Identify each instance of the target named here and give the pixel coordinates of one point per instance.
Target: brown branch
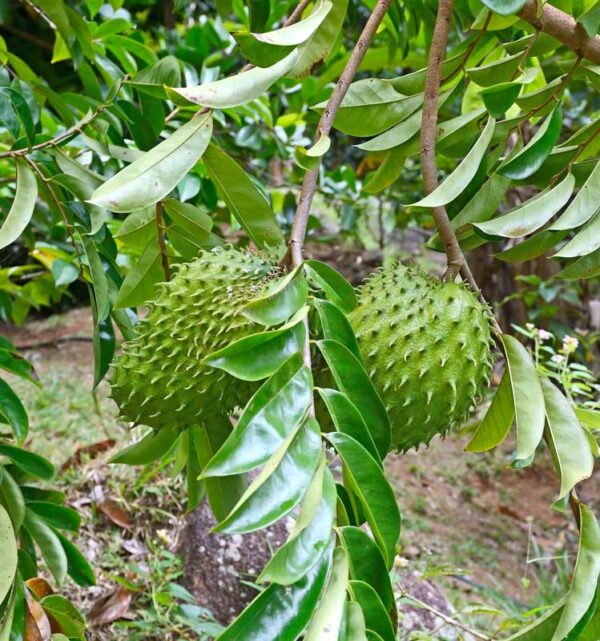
(563, 27)
(309, 185)
(160, 230)
(297, 13)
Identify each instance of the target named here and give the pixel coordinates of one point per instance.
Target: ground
(486, 534)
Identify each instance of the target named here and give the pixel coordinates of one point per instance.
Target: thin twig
(297, 13)
(160, 230)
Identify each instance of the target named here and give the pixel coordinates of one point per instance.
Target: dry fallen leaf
(110, 607)
(115, 513)
(90, 450)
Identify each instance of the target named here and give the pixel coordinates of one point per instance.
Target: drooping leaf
(12, 499)
(583, 206)
(495, 73)
(335, 287)
(376, 497)
(281, 484)
(148, 449)
(8, 545)
(29, 462)
(139, 286)
(584, 267)
(461, 177)
(153, 176)
(193, 220)
(58, 516)
(355, 623)
(22, 206)
(533, 247)
(13, 411)
(584, 242)
(49, 545)
(78, 568)
(567, 440)
(336, 326)
(271, 415)
(376, 617)
(387, 173)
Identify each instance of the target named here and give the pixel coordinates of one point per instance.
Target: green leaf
(21, 209)
(376, 497)
(396, 135)
(49, 545)
(269, 418)
(98, 278)
(567, 440)
(352, 379)
(138, 229)
(150, 448)
(193, 220)
(238, 89)
(543, 627)
(355, 623)
(499, 98)
(260, 355)
(59, 516)
(244, 201)
(335, 325)
(590, 417)
(310, 537)
(376, 617)
(11, 362)
(152, 79)
(533, 155)
(78, 567)
(585, 267)
(12, 499)
(533, 247)
(495, 73)
(280, 485)
(153, 176)
(13, 411)
(504, 7)
(583, 206)
(528, 399)
(31, 463)
(584, 242)
(310, 158)
(66, 614)
(139, 286)
(347, 419)
(497, 421)
(367, 564)
(585, 577)
(264, 49)
(280, 300)
(104, 348)
(327, 619)
(462, 176)
(335, 287)
(281, 612)
(590, 19)
(533, 214)
(8, 545)
(387, 173)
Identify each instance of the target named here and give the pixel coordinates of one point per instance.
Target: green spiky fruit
(427, 347)
(159, 379)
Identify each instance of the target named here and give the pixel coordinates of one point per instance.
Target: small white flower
(543, 335)
(570, 344)
(530, 327)
(558, 358)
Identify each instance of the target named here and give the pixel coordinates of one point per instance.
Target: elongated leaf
(8, 545)
(374, 492)
(154, 175)
(535, 246)
(310, 537)
(461, 177)
(543, 627)
(13, 411)
(335, 325)
(352, 379)
(533, 214)
(584, 205)
(281, 484)
(78, 567)
(12, 498)
(139, 286)
(148, 449)
(67, 616)
(497, 421)
(151, 80)
(29, 462)
(567, 440)
(260, 355)
(355, 623)
(59, 516)
(244, 201)
(238, 89)
(376, 617)
(499, 71)
(281, 612)
(327, 619)
(348, 419)
(271, 415)
(533, 155)
(396, 135)
(335, 287)
(387, 173)
(528, 399)
(584, 242)
(22, 206)
(99, 280)
(585, 577)
(193, 220)
(584, 267)
(280, 300)
(49, 545)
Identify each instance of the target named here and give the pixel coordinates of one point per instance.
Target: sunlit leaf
(22, 206)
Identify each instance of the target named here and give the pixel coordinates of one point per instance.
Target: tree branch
(297, 13)
(563, 27)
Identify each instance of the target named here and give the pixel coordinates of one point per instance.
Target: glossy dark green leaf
(104, 348)
(8, 545)
(281, 612)
(376, 617)
(590, 19)
(246, 204)
(348, 419)
(531, 215)
(367, 564)
(196, 488)
(504, 7)
(66, 614)
(12, 499)
(585, 577)
(260, 355)
(11, 362)
(150, 448)
(281, 484)
(310, 537)
(271, 415)
(532, 247)
(372, 489)
(584, 267)
(139, 286)
(499, 98)
(497, 421)
(528, 399)
(49, 545)
(23, 112)
(281, 299)
(352, 379)
(336, 326)
(21, 209)
(586, 241)
(78, 567)
(58, 516)
(12, 410)
(533, 155)
(335, 287)
(583, 206)
(31, 463)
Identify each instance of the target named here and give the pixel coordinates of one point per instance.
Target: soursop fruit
(159, 378)
(427, 347)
